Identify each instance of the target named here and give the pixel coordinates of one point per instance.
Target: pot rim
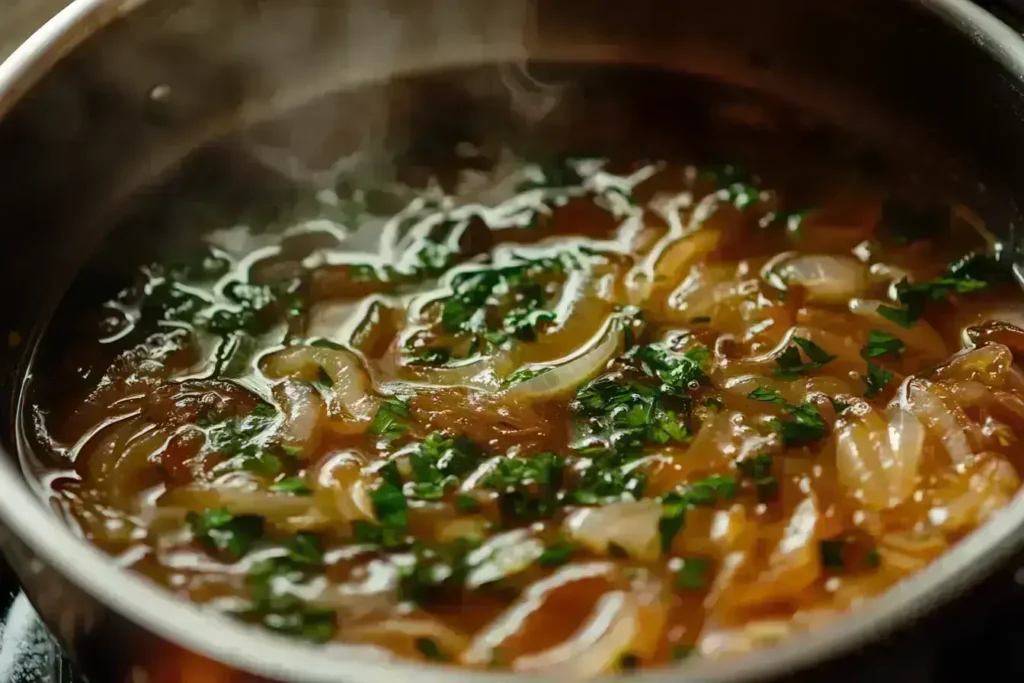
(254, 651)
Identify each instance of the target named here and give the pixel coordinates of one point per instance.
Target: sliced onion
(794, 563)
(581, 311)
(303, 416)
(272, 506)
(632, 526)
(567, 377)
(342, 491)
(483, 373)
(916, 397)
(846, 350)
(350, 385)
(719, 643)
(826, 278)
(989, 365)
(990, 487)
(596, 645)
(672, 262)
(878, 461)
(372, 590)
(503, 555)
(402, 635)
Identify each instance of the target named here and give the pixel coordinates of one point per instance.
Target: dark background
(981, 636)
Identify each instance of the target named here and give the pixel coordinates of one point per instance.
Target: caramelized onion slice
(632, 526)
(567, 377)
(350, 384)
(825, 278)
(878, 459)
(595, 645)
(917, 397)
(303, 416)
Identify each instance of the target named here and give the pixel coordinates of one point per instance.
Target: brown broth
(623, 413)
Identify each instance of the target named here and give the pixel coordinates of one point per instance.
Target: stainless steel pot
(107, 99)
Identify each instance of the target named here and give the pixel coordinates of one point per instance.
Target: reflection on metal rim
(225, 640)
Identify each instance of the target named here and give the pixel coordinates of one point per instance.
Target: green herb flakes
(791, 365)
(882, 343)
(390, 420)
(875, 380)
(801, 425)
(767, 396)
(219, 530)
(431, 650)
(693, 574)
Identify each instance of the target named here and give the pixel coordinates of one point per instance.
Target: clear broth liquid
(569, 407)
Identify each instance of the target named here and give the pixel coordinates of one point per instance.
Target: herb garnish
(693, 574)
(880, 343)
(791, 364)
(832, 554)
(528, 486)
(438, 463)
(390, 420)
(802, 424)
(557, 554)
(430, 649)
(283, 611)
(679, 371)
(221, 531)
(766, 395)
(295, 485)
(875, 380)
(706, 492)
(758, 469)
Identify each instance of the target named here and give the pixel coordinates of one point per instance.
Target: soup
(567, 416)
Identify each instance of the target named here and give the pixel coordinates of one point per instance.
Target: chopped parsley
(556, 554)
(295, 485)
(832, 555)
(390, 420)
(704, 493)
(802, 424)
(221, 531)
(876, 379)
(241, 436)
(466, 503)
(431, 355)
(389, 506)
(758, 470)
(431, 650)
(881, 343)
(513, 289)
(438, 463)
(693, 574)
(528, 486)
(679, 371)
(767, 396)
(682, 651)
(915, 296)
(281, 610)
(435, 569)
(791, 365)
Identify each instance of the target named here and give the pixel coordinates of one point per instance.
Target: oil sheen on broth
(567, 417)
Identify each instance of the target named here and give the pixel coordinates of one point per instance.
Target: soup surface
(568, 417)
